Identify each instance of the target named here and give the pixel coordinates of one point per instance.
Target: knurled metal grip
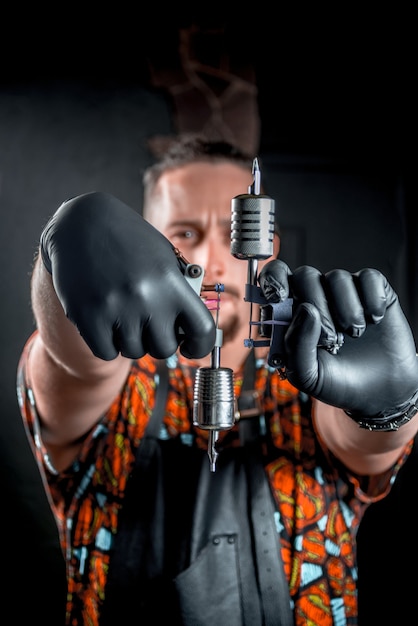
(252, 226)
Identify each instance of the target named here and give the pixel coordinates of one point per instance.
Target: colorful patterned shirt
(319, 504)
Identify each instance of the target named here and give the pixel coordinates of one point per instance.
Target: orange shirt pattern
(319, 506)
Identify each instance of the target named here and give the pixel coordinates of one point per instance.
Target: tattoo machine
(252, 234)
(214, 407)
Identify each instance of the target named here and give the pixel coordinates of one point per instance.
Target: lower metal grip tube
(214, 404)
(213, 407)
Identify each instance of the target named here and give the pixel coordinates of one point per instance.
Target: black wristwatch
(385, 423)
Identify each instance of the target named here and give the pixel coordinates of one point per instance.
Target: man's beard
(230, 328)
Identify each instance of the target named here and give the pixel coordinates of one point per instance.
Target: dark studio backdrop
(328, 108)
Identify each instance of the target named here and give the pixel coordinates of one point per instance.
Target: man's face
(192, 208)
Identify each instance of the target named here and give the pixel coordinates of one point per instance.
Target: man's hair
(189, 148)
(193, 148)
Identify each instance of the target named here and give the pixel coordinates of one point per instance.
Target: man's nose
(215, 258)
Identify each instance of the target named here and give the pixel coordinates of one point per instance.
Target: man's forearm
(362, 451)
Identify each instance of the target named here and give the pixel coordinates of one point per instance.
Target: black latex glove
(120, 282)
(375, 372)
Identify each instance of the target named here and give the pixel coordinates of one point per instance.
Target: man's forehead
(204, 174)
(197, 190)
(200, 219)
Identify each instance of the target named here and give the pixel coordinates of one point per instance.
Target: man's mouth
(211, 299)
(211, 296)
(214, 295)
(211, 303)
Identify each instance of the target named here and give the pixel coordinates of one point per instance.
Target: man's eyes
(193, 236)
(186, 234)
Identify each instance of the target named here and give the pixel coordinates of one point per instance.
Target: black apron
(196, 547)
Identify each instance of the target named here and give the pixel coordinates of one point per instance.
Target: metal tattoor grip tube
(214, 404)
(252, 226)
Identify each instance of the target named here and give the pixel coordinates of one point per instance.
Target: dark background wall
(326, 101)
(326, 104)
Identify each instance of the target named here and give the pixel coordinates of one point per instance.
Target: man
(148, 531)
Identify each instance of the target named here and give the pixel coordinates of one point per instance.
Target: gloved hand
(375, 372)
(119, 281)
